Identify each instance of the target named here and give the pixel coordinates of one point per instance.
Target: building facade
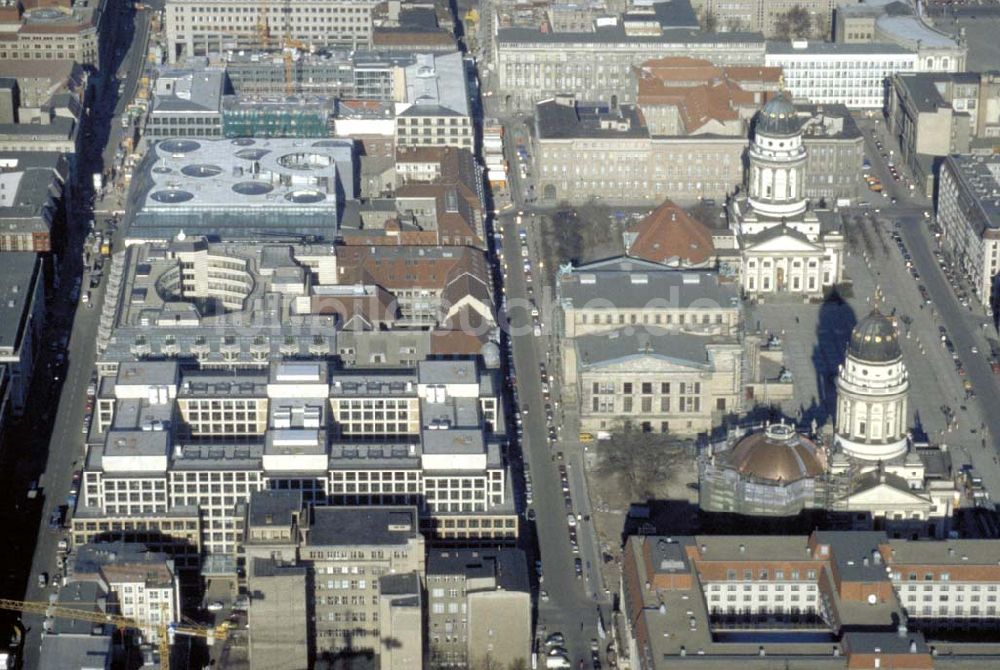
(875, 595)
(169, 441)
(478, 608)
(533, 66)
(969, 217)
(835, 73)
(195, 29)
(23, 308)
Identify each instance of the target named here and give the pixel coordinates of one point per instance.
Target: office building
(363, 567)
(241, 189)
(73, 643)
(969, 215)
(435, 110)
(142, 584)
(533, 66)
(174, 445)
(196, 29)
(588, 150)
(934, 115)
(22, 306)
(38, 82)
(278, 617)
(853, 75)
(478, 607)
(242, 305)
(843, 599)
(765, 15)
(785, 246)
(896, 23)
(75, 31)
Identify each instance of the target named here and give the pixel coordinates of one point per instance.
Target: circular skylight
(305, 161)
(328, 143)
(179, 146)
(244, 142)
(201, 170)
(172, 196)
(252, 188)
(305, 196)
(252, 154)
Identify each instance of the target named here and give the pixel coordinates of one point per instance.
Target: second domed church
(785, 246)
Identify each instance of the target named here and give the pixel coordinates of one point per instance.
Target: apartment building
(844, 599)
(34, 199)
(478, 607)
(533, 66)
(198, 29)
(144, 584)
(22, 313)
(435, 109)
(969, 215)
(362, 568)
(853, 75)
(936, 114)
(177, 445)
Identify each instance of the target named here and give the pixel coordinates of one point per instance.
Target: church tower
(872, 388)
(778, 162)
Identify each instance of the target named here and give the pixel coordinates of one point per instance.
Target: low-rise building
(933, 115)
(969, 215)
(75, 643)
(853, 75)
(478, 607)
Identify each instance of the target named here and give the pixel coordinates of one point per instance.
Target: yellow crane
(165, 631)
(288, 45)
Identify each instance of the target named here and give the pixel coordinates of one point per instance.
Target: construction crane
(263, 29)
(165, 631)
(288, 46)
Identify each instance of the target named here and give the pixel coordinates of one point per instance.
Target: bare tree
(640, 460)
(710, 21)
(793, 24)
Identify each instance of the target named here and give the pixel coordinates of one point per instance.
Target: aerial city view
(500, 335)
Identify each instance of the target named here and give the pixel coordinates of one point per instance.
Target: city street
(32, 452)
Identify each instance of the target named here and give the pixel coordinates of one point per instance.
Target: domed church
(785, 246)
(868, 470)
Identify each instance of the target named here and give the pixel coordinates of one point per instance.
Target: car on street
(216, 606)
(555, 639)
(578, 567)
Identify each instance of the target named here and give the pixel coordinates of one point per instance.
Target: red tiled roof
(670, 235)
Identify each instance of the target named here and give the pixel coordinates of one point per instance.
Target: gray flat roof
(616, 35)
(438, 81)
(844, 48)
(598, 350)
(628, 283)
(341, 526)
(558, 120)
(912, 29)
(190, 91)
(458, 441)
(946, 552)
(274, 508)
(447, 372)
(17, 291)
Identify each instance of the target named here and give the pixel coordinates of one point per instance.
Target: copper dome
(777, 454)
(778, 118)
